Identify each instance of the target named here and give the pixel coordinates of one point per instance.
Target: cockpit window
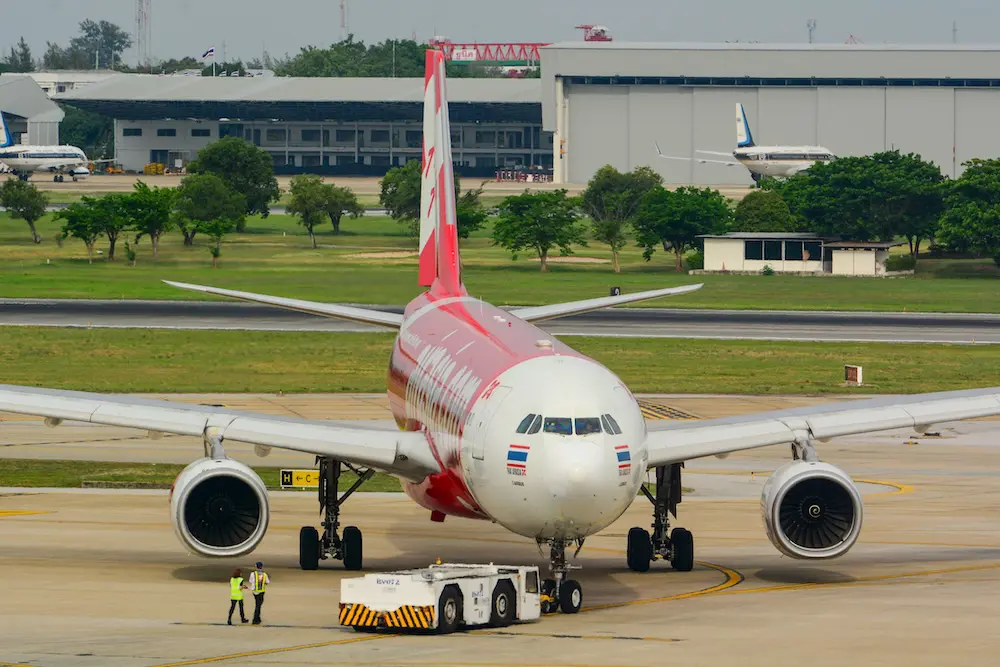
(610, 425)
(587, 425)
(535, 425)
(525, 423)
(560, 425)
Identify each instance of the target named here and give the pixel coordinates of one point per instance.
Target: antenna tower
(811, 27)
(343, 19)
(143, 31)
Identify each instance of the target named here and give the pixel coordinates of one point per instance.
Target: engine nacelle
(219, 508)
(811, 510)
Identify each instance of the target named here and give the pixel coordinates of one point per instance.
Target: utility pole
(811, 27)
(954, 32)
(343, 20)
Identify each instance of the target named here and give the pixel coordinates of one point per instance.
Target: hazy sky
(188, 27)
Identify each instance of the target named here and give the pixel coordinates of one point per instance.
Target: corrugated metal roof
(862, 245)
(156, 88)
(21, 96)
(749, 46)
(762, 235)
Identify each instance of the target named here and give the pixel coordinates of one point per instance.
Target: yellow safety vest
(235, 590)
(260, 582)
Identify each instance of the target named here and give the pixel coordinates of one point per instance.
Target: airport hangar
(608, 102)
(32, 118)
(334, 126)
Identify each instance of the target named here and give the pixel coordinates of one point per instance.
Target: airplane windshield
(525, 423)
(588, 425)
(560, 425)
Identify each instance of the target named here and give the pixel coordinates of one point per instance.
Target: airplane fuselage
(471, 374)
(781, 161)
(49, 159)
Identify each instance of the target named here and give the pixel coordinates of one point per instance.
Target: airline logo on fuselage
(438, 382)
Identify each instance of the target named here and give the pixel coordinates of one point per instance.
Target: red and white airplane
(495, 420)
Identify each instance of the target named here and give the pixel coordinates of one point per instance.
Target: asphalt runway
(96, 578)
(617, 322)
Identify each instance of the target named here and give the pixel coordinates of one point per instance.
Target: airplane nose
(582, 480)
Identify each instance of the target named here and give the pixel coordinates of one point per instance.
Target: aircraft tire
(639, 550)
(570, 597)
(683, 543)
(308, 548)
(353, 548)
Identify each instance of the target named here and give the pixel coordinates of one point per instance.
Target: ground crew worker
(258, 584)
(236, 588)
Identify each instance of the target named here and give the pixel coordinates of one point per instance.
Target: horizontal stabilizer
(354, 314)
(541, 313)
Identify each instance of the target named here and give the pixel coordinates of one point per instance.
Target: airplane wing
(541, 313)
(678, 441)
(714, 153)
(352, 313)
(379, 445)
(728, 163)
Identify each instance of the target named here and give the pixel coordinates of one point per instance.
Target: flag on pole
(210, 52)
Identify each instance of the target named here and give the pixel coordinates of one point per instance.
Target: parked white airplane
(776, 161)
(495, 420)
(59, 161)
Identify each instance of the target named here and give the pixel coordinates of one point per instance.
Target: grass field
(276, 258)
(73, 474)
(128, 360)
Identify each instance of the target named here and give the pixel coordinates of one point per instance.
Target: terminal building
(608, 102)
(320, 125)
(597, 103)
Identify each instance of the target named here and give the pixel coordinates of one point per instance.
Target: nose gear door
(482, 422)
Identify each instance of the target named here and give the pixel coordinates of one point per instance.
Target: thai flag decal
(624, 460)
(517, 460)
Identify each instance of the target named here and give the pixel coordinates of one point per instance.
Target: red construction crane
(526, 52)
(595, 33)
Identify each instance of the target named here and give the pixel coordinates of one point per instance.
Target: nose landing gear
(560, 593)
(678, 548)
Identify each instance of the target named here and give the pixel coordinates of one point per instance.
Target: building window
(346, 136)
(131, 131)
(380, 136)
(380, 161)
(753, 250)
(310, 160)
(793, 250)
(310, 136)
(772, 250)
(484, 138)
(275, 136)
(345, 159)
(280, 159)
(414, 138)
(201, 132)
(813, 250)
(166, 132)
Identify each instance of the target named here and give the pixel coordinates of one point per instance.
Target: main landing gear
(347, 547)
(560, 593)
(678, 548)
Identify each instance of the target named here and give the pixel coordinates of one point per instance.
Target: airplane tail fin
(5, 138)
(744, 138)
(440, 265)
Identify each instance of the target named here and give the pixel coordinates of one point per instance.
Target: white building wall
(724, 255)
(854, 263)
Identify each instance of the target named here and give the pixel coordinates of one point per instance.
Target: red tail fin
(440, 265)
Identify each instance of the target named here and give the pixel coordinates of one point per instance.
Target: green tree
(148, 210)
(102, 41)
(612, 199)
(57, 57)
(309, 202)
(341, 201)
(971, 221)
(20, 59)
(80, 220)
(675, 219)
(763, 211)
(470, 214)
(245, 168)
(204, 203)
(111, 217)
(90, 131)
(540, 221)
(400, 196)
(24, 202)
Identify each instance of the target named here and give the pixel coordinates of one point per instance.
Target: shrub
(900, 263)
(768, 270)
(695, 260)
(996, 259)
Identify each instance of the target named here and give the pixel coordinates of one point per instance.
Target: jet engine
(811, 510)
(219, 508)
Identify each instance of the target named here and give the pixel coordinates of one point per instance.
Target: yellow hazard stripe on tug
(407, 616)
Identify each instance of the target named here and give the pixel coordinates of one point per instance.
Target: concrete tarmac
(956, 328)
(97, 578)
